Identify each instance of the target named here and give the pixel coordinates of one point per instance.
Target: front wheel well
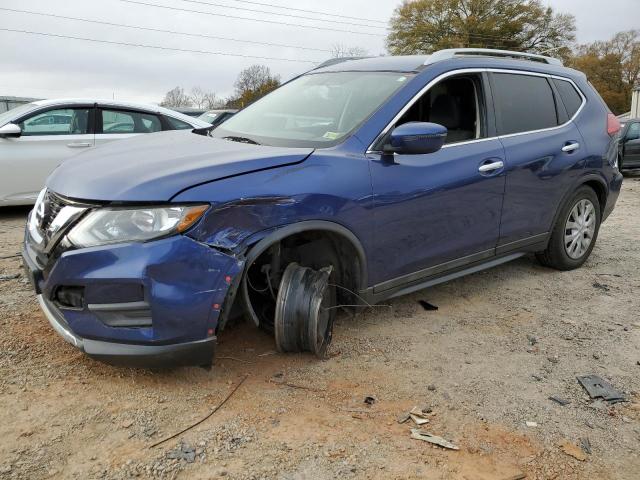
(314, 248)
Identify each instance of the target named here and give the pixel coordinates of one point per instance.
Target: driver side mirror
(416, 138)
(10, 130)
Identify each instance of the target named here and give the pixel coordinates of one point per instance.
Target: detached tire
(575, 232)
(305, 310)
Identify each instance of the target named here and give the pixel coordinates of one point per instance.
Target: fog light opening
(69, 297)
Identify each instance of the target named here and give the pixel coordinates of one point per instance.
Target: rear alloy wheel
(580, 229)
(575, 232)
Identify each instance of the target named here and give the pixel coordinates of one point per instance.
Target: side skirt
(455, 269)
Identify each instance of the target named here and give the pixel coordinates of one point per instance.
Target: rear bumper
(198, 352)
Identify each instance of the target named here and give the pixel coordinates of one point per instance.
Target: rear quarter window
(570, 97)
(523, 103)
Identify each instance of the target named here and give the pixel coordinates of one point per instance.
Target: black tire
(556, 256)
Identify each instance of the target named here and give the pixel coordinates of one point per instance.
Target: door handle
(490, 167)
(79, 144)
(571, 147)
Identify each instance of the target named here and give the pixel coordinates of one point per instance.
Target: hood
(155, 167)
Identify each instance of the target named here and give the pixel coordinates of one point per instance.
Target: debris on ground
(13, 276)
(184, 452)
(560, 401)
(419, 415)
(597, 387)
(403, 418)
(531, 424)
(532, 340)
(429, 307)
(436, 440)
(369, 400)
(573, 450)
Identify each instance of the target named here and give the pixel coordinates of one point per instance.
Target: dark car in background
(216, 117)
(629, 146)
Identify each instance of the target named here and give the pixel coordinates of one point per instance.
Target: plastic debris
(560, 401)
(419, 416)
(428, 437)
(597, 387)
(429, 307)
(531, 424)
(403, 417)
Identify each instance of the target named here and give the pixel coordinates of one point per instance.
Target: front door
(631, 146)
(439, 211)
(48, 138)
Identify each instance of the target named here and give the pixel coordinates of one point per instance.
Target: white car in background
(35, 138)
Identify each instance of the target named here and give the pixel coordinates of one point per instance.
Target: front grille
(54, 204)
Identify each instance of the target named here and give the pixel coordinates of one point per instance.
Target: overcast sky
(41, 66)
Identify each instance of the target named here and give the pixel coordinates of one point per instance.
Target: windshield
(14, 113)
(316, 110)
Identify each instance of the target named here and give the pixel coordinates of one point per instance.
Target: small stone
(532, 340)
(553, 359)
(596, 356)
(431, 388)
(531, 424)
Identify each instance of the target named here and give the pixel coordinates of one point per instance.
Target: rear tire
(574, 233)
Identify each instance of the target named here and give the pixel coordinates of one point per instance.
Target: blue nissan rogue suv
(358, 181)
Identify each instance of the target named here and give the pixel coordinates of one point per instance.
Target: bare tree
(176, 98)
(339, 50)
(211, 101)
(198, 97)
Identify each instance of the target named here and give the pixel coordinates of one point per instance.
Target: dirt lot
(485, 363)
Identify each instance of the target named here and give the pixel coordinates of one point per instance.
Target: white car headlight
(114, 225)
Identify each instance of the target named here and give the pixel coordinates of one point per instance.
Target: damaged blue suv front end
(126, 285)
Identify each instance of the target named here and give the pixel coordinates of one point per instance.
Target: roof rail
(335, 61)
(488, 52)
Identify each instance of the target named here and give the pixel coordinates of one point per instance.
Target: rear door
(544, 153)
(48, 138)
(117, 124)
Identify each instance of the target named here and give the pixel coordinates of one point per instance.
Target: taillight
(613, 124)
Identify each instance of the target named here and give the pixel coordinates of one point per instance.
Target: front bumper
(198, 352)
(182, 284)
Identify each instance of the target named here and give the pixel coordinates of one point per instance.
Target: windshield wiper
(241, 140)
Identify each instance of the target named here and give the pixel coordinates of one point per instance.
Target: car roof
(464, 57)
(122, 104)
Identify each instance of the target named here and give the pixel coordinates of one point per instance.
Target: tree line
(425, 26)
(252, 83)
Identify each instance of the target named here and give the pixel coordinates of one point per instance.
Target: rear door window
(63, 121)
(128, 121)
(524, 103)
(570, 97)
(176, 124)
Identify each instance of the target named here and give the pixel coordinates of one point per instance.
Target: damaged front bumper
(137, 304)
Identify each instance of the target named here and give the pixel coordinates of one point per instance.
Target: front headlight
(114, 225)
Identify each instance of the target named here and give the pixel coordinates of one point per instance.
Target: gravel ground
(485, 363)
